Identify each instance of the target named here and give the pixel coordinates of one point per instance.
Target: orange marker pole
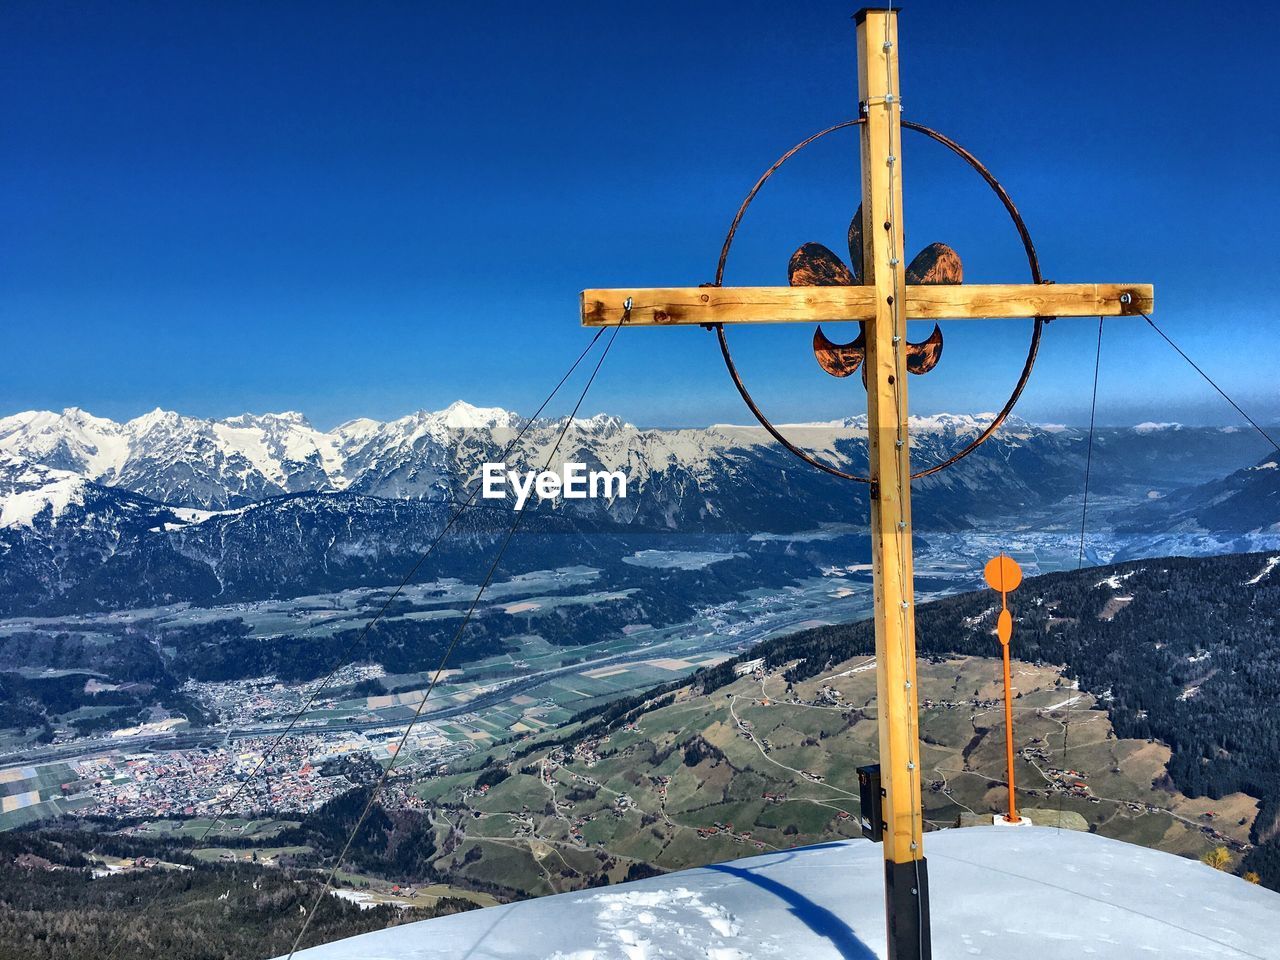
(1008, 735)
(1002, 573)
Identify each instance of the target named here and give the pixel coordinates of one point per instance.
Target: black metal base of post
(906, 900)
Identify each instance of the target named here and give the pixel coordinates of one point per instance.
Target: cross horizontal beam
(674, 306)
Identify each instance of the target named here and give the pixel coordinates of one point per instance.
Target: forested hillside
(52, 907)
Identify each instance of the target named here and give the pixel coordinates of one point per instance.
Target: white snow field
(1037, 894)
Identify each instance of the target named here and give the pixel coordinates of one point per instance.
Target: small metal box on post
(870, 797)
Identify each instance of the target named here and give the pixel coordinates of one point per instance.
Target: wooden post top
(861, 15)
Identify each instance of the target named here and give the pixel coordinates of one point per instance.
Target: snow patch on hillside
(21, 509)
(29, 489)
(1116, 579)
(1264, 572)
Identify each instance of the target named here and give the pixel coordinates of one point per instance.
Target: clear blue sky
(361, 209)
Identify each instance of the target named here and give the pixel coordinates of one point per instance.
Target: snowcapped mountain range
(225, 464)
(216, 464)
(96, 513)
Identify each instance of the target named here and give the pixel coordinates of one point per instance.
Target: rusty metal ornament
(938, 262)
(813, 265)
(841, 359)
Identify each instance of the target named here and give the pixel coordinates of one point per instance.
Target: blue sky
(365, 209)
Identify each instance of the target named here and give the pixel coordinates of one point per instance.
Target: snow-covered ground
(1040, 893)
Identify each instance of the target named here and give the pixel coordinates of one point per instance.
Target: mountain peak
(155, 418)
(289, 418)
(461, 415)
(360, 425)
(602, 422)
(82, 418)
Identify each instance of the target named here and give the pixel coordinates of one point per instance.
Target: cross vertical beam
(906, 889)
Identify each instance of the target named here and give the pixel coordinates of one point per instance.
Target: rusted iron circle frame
(1033, 261)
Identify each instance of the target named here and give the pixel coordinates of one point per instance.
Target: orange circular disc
(1003, 573)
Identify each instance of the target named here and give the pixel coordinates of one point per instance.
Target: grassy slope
(571, 815)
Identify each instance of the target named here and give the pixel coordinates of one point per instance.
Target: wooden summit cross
(884, 302)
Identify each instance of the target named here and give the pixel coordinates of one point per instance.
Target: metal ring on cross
(1033, 262)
